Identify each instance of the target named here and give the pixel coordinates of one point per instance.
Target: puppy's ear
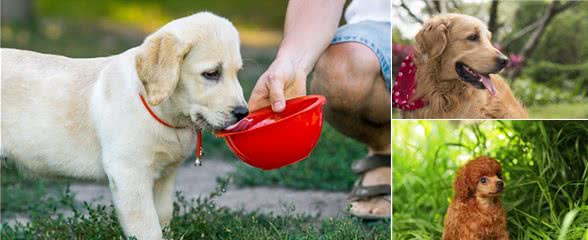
(158, 65)
(462, 186)
(431, 40)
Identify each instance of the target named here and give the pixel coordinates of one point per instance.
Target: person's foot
(370, 197)
(376, 206)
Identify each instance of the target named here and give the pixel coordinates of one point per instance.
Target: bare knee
(345, 74)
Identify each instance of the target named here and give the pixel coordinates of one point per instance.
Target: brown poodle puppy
(457, 69)
(475, 213)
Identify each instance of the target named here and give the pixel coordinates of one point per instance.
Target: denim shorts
(374, 35)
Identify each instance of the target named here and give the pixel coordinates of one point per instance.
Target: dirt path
(199, 181)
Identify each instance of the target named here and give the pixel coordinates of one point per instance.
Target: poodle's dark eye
(483, 180)
(474, 37)
(499, 175)
(212, 75)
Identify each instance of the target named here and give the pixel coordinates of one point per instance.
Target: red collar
(199, 150)
(405, 87)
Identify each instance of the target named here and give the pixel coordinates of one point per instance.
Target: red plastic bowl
(273, 140)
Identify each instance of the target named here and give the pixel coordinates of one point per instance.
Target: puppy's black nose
(501, 62)
(240, 112)
(500, 186)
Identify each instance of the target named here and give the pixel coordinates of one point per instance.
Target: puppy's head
(481, 178)
(191, 64)
(462, 46)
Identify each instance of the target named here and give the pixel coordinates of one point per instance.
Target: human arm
(308, 30)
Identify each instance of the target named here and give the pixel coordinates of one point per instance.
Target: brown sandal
(360, 192)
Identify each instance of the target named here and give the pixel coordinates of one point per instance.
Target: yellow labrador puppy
(83, 118)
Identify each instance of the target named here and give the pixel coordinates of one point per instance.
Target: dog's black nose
(500, 186)
(240, 112)
(501, 62)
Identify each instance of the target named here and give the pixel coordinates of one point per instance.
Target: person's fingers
(259, 96)
(276, 94)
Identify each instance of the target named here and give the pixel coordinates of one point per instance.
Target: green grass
(549, 111)
(20, 194)
(562, 110)
(192, 219)
(545, 165)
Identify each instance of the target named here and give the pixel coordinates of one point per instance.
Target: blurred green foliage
(557, 111)
(559, 60)
(572, 78)
(150, 14)
(532, 93)
(564, 39)
(545, 165)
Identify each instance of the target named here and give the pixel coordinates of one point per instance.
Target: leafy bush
(20, 194)
(532, 93)
(568, 77)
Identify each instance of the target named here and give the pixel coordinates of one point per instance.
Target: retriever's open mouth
(476, 79)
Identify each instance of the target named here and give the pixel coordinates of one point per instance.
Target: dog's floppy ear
(431, 40)
(158, 65)
(462, 186)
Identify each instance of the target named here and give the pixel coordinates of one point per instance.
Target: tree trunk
(437, 6)
(493, 21)
(554, 8)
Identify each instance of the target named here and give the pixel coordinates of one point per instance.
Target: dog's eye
(483, 180)
(213, 75)
(474, 37)
(499, 175)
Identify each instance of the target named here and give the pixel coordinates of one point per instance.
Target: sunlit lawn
(560, 111)
(550, 111)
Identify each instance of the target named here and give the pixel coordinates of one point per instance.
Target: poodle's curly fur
(475, 213)
(439, 45)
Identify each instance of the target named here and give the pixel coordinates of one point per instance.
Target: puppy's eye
(212, 75)
(483, 180)
(474, 37)
(499, 175)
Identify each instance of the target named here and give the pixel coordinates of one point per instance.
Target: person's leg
(358, 105)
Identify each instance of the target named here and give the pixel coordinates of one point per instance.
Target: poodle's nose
(501, 61)
(240, 112)
(500, 185)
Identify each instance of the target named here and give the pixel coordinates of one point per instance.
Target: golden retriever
(84, 118)
(457, 70)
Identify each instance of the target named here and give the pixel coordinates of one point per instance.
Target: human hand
(283, 79)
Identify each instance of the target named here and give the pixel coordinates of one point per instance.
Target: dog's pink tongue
(488, 84)
(240, 125)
